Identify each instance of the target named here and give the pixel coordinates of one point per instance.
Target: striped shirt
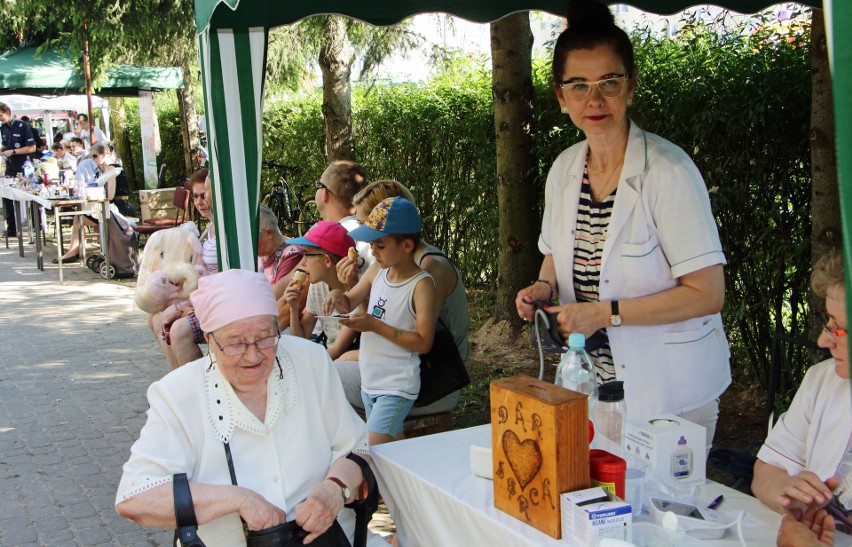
(589, 239)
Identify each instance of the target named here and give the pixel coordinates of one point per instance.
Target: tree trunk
(189, 119)
(121, 139)
(335, 60)
(512, 89)
(826, 228)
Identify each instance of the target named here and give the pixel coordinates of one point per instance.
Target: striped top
(589, 239)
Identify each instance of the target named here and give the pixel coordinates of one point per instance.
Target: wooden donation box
(540, 437)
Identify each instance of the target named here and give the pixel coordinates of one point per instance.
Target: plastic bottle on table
(609, 416)
(576, 371)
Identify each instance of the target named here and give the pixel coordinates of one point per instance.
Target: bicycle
(282, 200)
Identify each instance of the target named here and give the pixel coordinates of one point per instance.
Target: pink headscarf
(229, 296)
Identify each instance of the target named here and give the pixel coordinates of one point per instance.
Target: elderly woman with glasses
(806, 461)
(629, 241)
(274, 405)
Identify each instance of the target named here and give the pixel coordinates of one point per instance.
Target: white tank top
(386, 368)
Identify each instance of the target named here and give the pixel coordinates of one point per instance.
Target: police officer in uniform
(18, 144)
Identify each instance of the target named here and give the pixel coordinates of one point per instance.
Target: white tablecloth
(435, 499)
(18, 195)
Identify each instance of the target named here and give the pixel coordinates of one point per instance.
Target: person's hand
(258, 512)
(317, 513)
(524, 301)
(582, 317)
(361, 322)
(292, 295)
(808, 489)
(7, 153)
(171, 314)
(335, 301)
(811, 527)
(347, 272)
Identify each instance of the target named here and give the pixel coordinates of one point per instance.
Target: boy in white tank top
(400, 321)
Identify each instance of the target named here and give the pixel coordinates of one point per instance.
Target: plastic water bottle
(28, 169)
(576, 371)
(609, 416)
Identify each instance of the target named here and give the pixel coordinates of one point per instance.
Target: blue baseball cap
(392, 216)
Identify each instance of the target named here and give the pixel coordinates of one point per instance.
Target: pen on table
(716, 502)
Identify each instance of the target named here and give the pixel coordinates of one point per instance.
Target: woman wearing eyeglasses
(629, 241)
(807, 458)
(260, 427)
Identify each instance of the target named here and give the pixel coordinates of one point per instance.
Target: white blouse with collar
(193, 411)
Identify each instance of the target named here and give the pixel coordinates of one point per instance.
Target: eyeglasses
(319, 184)
(834, 333)
(314, 254)
(235, 350)
(202, 196)
(608, 87)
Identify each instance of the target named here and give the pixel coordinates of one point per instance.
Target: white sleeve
(681, 210)
(786, 445)
(163, 447)
(551, 202)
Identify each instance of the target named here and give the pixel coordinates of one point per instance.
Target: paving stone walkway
(75, 365)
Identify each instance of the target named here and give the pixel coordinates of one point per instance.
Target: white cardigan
(661, 228)
(309, 424)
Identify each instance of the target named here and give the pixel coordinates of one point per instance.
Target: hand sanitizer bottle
(681, 460)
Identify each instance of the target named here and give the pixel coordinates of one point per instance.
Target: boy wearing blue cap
(400, 321)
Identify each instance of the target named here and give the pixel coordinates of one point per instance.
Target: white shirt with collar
(309, 425)
(661, 228)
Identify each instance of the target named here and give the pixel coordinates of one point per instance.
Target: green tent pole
(841, 21)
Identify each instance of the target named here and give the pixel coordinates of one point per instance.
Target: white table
(435, 499)
(35, 202)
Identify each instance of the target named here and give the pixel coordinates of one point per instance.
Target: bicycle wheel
(308, 216)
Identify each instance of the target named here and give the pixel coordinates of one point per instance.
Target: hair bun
(588, 14)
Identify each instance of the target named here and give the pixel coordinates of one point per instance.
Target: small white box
(591, 514)
(671, 445)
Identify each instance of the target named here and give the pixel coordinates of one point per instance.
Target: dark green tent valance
(24, 71)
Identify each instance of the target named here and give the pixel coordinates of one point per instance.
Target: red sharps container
(607, 471)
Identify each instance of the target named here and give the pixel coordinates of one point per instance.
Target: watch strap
(614, 305)
(343, 488)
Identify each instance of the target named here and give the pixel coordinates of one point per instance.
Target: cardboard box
(158, 199)
(591, 514)
(146, 212)
(540, 448)
(672, 446)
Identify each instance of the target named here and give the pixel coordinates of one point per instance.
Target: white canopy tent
(45, 107)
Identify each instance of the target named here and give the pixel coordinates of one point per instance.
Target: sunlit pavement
(76, 362)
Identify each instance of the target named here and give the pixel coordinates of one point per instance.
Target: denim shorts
(386, 413)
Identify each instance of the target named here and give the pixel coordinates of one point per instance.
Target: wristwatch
(615, 318)
(344, 490)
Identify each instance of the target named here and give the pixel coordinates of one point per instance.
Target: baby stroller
(123, 249)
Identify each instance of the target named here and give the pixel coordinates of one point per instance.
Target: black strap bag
(286, 534)
(442, 370)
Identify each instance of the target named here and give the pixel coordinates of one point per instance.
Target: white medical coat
(661, 228)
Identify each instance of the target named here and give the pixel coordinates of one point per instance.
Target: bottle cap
(576, 340)
(611, 391)
(681, 441)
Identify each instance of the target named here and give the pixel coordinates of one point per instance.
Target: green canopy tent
(233, 37)
(23, 71)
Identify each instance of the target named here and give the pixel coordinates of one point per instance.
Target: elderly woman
(275, 403)
(277, 259)
(184, 331)
(807, 458)
(450, 296)
(629, 241)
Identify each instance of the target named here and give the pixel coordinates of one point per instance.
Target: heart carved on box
(524, 457)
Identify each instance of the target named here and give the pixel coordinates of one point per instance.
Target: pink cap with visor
(229, 296)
